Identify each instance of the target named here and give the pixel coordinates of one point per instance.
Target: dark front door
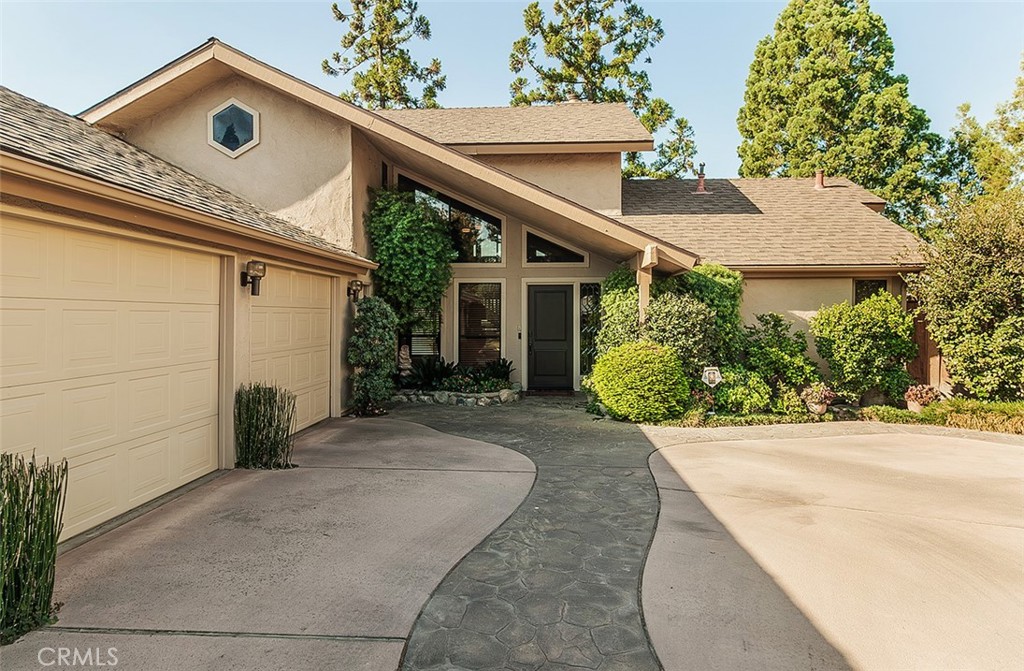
(549, 337)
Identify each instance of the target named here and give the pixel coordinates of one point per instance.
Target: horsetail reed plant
(263, 426)
(31, 519)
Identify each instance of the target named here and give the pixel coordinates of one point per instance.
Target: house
(126, 232)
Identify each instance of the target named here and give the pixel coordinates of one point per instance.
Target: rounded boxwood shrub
(641, 382)
(371, 349)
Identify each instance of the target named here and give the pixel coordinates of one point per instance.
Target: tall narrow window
(425, 336)
(476, 234)
(863, 289)
(479, 323)
(590, 324)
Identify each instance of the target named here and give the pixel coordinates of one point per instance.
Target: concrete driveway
(824, 547)
(324, 566)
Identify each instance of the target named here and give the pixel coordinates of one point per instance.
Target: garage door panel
(109, 360)
(23, 422)
(149, 470)
(96, 488)
(197, 450)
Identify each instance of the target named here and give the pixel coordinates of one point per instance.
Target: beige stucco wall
(798, 299)
(300, 170)
(593, 180)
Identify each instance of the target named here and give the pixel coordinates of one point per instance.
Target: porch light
(253, 273)
(355, 287)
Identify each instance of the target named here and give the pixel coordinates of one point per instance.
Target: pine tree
(822, 94)
(988, 158)
(590, 52)
(377, 31)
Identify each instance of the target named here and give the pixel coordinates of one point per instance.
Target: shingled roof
(771, 223)
(36, 131)
(563, 123)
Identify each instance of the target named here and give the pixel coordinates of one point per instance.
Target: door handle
(529, 346)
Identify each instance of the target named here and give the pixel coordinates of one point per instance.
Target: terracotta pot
(914, 406)
(817, 408)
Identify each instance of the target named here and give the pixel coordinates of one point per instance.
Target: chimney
(701, 189)
(819, 179)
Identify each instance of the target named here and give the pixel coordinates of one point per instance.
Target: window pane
(590, 324)
(476, 234)
(479, 323)
(539, 250)
(425, 336)
(866, 288)
(232, 127)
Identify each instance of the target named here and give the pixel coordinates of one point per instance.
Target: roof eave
(604, 147)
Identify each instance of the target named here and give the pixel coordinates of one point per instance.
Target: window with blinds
(425, 336)
(479, 323)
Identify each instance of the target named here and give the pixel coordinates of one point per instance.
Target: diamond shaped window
(234, 128)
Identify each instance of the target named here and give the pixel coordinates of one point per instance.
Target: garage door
(108, 357)
(291, 339)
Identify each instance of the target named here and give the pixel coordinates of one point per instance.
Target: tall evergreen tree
(988, 158)
(822, 93)
(590, 52)
(377, 33)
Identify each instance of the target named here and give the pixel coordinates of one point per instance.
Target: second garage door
(291, 339)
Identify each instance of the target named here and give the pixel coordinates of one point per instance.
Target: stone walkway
(557, 585)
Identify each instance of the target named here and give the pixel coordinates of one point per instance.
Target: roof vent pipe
(819, 179)
(701, 189)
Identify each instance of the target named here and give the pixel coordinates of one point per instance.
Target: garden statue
(404, 361)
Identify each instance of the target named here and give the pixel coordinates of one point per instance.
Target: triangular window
(540, 250)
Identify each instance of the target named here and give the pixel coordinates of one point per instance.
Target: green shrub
(264, 416)
(620, 317)
(972, 292)
(787, 401)
(742, 391)
(721, 290)
(473, 384)
(371, 349)
(413, 246)
(684, 324)
(500, 370)
(31, 519)
(867, 346)
(778, 354)
(641, 382)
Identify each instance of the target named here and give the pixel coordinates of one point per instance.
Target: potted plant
(818, 397)
(919, 396)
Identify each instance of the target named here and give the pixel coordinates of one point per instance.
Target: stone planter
(817, 408)
(914, 406)
(503, 397)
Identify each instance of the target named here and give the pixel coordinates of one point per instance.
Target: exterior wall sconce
(253, 273)
(355, 287)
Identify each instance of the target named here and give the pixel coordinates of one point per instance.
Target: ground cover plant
(436, 374)
(264, 418)
(1003, 417)
(31, 519)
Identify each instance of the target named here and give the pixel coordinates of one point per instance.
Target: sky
(73, 54)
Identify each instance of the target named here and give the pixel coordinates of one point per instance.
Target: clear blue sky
(73, 54)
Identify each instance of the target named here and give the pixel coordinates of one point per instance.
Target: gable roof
(41, 133)
(601, 126)
(771, 223)
(448, 167)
